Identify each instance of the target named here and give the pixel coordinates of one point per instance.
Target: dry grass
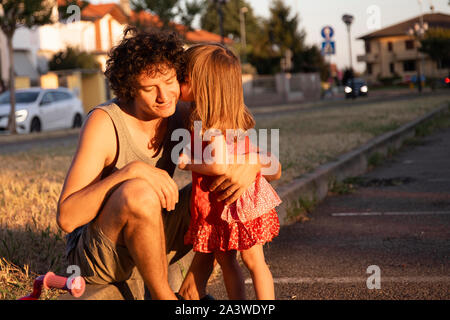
(29, 236)
(31, 243)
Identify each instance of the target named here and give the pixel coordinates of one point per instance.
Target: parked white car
(39, 109)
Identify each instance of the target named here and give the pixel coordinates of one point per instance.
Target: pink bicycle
(75, 286)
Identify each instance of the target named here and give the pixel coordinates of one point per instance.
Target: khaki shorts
(102, 262)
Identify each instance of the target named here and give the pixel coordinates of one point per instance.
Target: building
(393, 53)
(96, 30)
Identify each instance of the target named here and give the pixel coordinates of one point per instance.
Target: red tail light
(447, 80)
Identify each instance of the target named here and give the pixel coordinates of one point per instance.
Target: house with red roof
(105, 24)
(93, 28)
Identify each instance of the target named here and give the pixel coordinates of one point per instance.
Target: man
(119, 203)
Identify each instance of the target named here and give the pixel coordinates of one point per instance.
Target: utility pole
(220, 4)
(418, 32)
(348, 19)
(242, 12)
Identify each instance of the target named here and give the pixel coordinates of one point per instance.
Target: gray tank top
(127, 151)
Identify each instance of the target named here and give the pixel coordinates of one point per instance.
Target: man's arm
(83, 192)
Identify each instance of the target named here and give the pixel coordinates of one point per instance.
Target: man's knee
(137, 198)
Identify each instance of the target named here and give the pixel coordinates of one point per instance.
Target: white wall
(27, 40)
(59, 36)
(49, 39)
(117, 32)
(104, 32)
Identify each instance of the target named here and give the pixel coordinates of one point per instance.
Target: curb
(313, 187)
(33, 137)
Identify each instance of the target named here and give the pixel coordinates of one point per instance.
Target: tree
(231, 23)
(436, 44)
(310, 59)
(256, 41)
(164, 9)
(189, 11)
(284, 30)
(279, 37)
(15, 14)
(72, 58)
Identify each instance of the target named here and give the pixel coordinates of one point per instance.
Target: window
(47, 98)
(409, 65)
(369, 68)
(59, 96)
(443, 64)
(409, 44)
(390, 46)
(392, 68)
(21, 97)
(367, 45)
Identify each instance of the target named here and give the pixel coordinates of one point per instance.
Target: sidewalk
(397, 218)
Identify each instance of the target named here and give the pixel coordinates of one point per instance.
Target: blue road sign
(328, 47)
(327, 33)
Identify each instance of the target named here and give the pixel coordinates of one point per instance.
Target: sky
(369, 15)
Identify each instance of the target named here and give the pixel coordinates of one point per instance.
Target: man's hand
(235, 181)
(164, 186)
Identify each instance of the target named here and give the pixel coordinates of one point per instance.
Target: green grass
(299, 210)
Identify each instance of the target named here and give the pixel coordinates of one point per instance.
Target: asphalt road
(397, 219)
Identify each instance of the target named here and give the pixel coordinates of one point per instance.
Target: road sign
(327, 33)
(328, 47)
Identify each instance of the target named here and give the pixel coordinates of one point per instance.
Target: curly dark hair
(151, 51)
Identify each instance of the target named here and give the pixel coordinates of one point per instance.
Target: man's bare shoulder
(100, 121)
(98, 133)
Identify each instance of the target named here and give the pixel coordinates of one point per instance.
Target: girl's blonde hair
(214, 73)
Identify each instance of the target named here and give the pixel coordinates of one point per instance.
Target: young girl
(214, 85)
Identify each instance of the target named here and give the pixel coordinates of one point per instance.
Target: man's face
(158, 94)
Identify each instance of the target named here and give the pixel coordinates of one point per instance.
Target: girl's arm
(213, 161)
(270, 166)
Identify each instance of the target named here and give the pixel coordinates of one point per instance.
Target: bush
(389, 81)
(73, 58)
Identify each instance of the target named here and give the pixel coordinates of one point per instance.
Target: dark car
(358, 88)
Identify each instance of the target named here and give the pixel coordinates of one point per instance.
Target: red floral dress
(250, 220)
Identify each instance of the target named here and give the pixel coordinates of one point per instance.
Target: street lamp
(242, 12)
(348, 19)
(418, 32)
